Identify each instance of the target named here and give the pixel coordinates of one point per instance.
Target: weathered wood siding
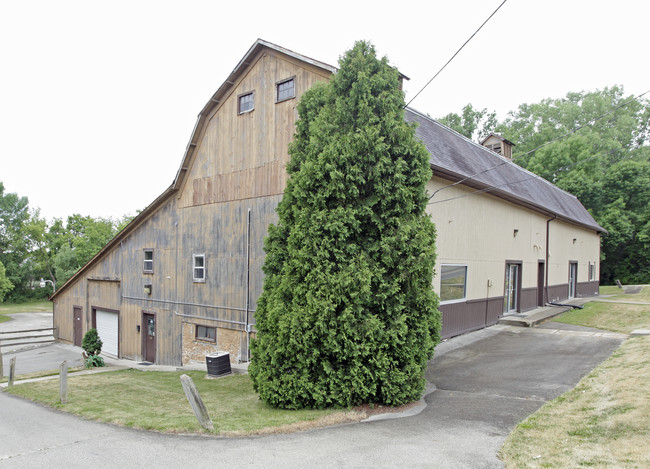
(244, 156)
(239, 166)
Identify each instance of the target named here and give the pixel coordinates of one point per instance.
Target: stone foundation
(228, 340)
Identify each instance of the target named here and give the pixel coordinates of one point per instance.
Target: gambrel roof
(455, 157)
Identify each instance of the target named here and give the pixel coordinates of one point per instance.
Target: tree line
(595, 145)
(32, 248)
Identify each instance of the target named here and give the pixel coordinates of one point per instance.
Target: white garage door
(107, 328)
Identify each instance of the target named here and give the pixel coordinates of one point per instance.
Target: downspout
(248, 274)
(548, 222)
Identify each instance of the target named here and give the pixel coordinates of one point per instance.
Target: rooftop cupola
(499, 145)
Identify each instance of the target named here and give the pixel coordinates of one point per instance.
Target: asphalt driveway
(485, 383)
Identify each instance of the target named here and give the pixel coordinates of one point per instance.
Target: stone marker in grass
(63, 382)
(196, 402)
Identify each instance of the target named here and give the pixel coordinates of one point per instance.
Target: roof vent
(499, 145)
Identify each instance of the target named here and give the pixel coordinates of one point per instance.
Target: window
(206, 333)
(592, 271)
(199, 267)
(245, 103)
(453, 280)
(148, 261)
(285, 90)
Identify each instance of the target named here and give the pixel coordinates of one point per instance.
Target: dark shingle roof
(455, 157)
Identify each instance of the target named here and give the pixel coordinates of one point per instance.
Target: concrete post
(196, 402)
(63, 382)
(12, 371)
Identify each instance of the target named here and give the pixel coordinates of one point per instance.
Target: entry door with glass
(512, 288)
(573, 279)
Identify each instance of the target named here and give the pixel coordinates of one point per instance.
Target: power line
(591, 122)
(457, 52)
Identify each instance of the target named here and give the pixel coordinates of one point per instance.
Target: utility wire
(457, 52)
(591, 122)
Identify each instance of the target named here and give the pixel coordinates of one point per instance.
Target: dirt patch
(376, 409)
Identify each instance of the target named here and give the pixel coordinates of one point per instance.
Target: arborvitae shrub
(347, 314)
(91, 342)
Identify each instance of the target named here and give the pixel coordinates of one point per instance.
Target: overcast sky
(98, 99)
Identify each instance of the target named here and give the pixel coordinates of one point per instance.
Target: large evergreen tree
(347, 314)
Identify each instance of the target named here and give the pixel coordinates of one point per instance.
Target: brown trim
(144, 333)
(527, 299)
(558, 292)
(461, 317)
(77, 340)
(541, 276)
(519, 281)
(587, 288)
(575, 279)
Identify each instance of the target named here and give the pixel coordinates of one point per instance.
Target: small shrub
(93, 361)
(91, 343)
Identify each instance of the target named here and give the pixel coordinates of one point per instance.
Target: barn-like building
(183, 278)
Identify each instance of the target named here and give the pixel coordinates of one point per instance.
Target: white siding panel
(108, 330)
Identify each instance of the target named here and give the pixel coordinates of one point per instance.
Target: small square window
(199, 268)
(245, 103)
(148, 261)
(285, 90)
(453, 281)
(206, 333)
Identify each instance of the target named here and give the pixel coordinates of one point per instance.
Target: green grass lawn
(31, 307)
(615, 317)
(605, 420)
(155, 401)
(619, 294)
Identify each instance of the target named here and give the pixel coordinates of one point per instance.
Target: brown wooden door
(78, 325)
(149, 337)
(540, 283)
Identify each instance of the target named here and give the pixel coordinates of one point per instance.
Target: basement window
(198, 268)
(285, 90)
(206, 333)
(453, 282)
(147, 267)
(245, 103)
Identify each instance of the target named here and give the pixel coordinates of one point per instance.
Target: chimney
(499, 145)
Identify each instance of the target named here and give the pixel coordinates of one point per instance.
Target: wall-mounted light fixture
(137, 328)
(44, 282)
(515, 233)
(147, 289)
(574, 240)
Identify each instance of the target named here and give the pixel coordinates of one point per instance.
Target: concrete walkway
(540, 315)
(481, 385)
